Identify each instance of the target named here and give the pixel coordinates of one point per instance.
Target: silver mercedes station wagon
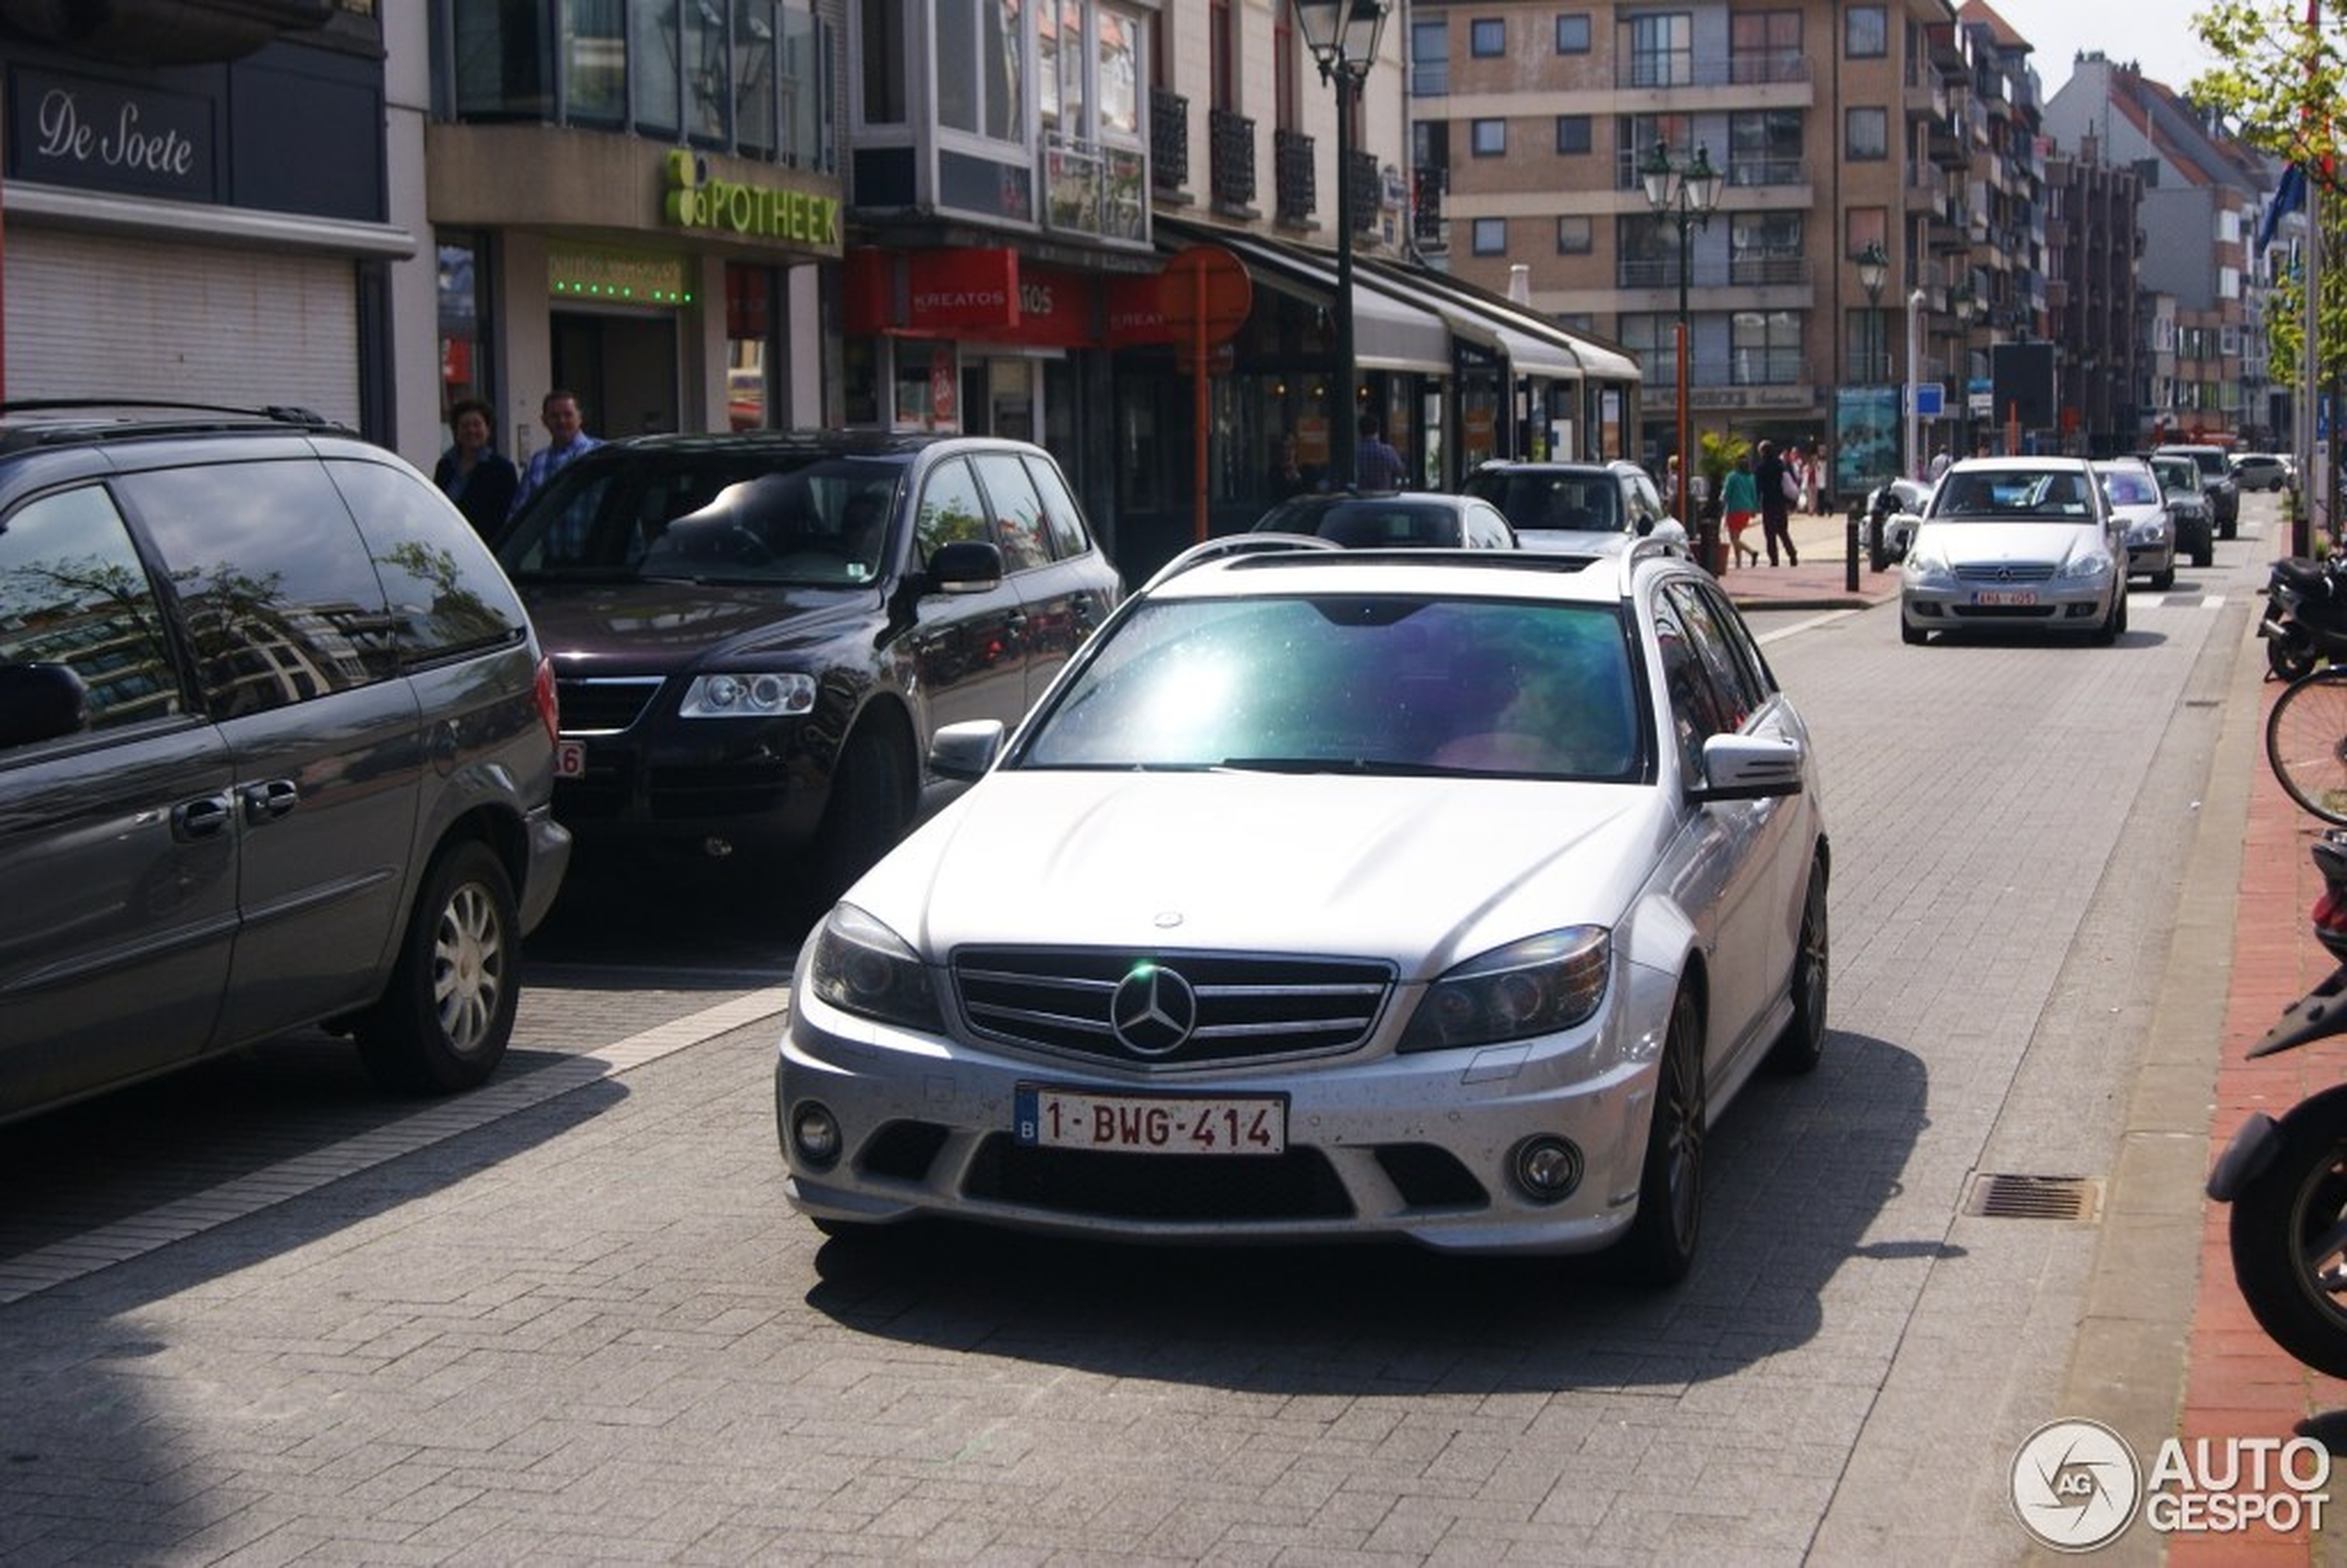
(1446, 897)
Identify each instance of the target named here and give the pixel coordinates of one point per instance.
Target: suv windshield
(1354, 685)
(709, 516)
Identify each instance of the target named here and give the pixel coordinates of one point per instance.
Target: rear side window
(1069, 539)
(282, 602)
(1020, 528)
(446, 595)
(73, 593)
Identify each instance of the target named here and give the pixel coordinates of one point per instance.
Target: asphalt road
(256, 1315)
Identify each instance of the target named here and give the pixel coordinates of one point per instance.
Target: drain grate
(2003, 1196)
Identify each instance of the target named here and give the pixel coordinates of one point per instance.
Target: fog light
(814, 1133)
(1547, 1169)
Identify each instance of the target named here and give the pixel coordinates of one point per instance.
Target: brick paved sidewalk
(1822, 579)
(2237, 1382)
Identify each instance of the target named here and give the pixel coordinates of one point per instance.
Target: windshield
(1355, 685)
(2177, 474)
(731, 517)
(2129, 487)
(1586, 502)
(2003, 494)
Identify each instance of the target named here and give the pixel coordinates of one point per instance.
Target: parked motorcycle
(2305, 619)
(2287, 1179)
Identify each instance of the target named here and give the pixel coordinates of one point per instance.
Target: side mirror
(41, 702)
(1745, 767)
(966, 750)
(966, 565)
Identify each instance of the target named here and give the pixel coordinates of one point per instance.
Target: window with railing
(747, 77)
(1633, 140)
(1659, 47)
(1295, 193)
(1766, 249)
(1765, 147)
(1764, 46)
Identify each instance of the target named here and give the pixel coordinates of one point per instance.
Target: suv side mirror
(966, 565)
(41, 702)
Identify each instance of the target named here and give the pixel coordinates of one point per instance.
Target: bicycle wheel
(2306, 743)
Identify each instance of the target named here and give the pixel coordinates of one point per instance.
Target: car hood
(665, 627)
(1422, 872)
(2133, 516)
(1575, 542)
(1972, 542)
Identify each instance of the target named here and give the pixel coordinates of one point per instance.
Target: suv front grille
(1236, 1007)
(606, 704)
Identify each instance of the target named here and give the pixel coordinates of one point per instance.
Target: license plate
(1151, 1124)
(2020, 596)
(570, 759)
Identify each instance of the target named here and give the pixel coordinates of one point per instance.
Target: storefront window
(927, 391)
(464, 348)
(750, 347)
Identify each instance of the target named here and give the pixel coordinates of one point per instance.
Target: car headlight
(758, 695)
(2079, 567)
(1534, 987)
(2152, 532)
(1925, 563)
(862, 966)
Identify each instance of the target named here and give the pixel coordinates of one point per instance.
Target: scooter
(2287, 1179)
(2305, 618)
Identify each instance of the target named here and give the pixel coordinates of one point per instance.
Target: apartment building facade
(1838, 128)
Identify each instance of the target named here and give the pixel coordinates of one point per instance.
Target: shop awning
(1389, 332)
(1533, 346)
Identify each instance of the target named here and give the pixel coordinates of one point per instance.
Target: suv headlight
(1534, 987)
(758, 695)
(862, 966)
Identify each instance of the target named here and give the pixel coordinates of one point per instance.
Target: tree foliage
(2278, 87)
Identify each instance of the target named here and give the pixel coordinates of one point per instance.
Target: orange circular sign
(1204, 287)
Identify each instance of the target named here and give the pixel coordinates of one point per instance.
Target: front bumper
(2053, 605)
(1413, 1147)
(2150, 560)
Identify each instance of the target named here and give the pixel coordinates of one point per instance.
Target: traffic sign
(1204, 293)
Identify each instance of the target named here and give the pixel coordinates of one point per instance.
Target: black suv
(2215, 482)
(276, 748)
(756, 634)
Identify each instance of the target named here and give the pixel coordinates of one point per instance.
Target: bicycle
(2306, 743)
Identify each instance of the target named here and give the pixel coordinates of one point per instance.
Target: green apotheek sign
(764, 212)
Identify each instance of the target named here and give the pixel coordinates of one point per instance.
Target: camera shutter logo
(2076, 1484)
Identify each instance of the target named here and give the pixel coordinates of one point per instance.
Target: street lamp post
(1874, 270)
(1963, 302)
(1342, 36)
(1686, 197)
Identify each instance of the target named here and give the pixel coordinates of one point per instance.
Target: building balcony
(1683, 69)
(1294, 193)
(1169, 141)
(1231, 151)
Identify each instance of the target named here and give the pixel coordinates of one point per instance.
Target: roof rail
(1235, 544)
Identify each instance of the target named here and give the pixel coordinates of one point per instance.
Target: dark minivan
(755, 634)
(276, 749)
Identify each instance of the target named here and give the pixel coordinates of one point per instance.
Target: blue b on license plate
(1045, 1117)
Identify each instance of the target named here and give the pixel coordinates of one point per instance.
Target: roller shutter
(97, 316)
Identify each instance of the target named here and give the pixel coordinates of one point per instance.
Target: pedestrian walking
(1778, 492)
(1739, 500)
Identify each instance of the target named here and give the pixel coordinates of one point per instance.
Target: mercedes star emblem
(1153, 1011)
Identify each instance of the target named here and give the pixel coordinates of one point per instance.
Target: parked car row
(283, 743)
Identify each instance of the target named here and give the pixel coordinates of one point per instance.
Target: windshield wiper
(1377, 766)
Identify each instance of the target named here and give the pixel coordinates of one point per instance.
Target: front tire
(1661, 1245)
(442, 1021)
(2306, 743)
(871, 802)
(2162, 581)
(2289, 1235)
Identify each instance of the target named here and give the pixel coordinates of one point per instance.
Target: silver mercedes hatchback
(1446, 897)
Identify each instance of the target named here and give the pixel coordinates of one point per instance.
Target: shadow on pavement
(1800, 1170)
